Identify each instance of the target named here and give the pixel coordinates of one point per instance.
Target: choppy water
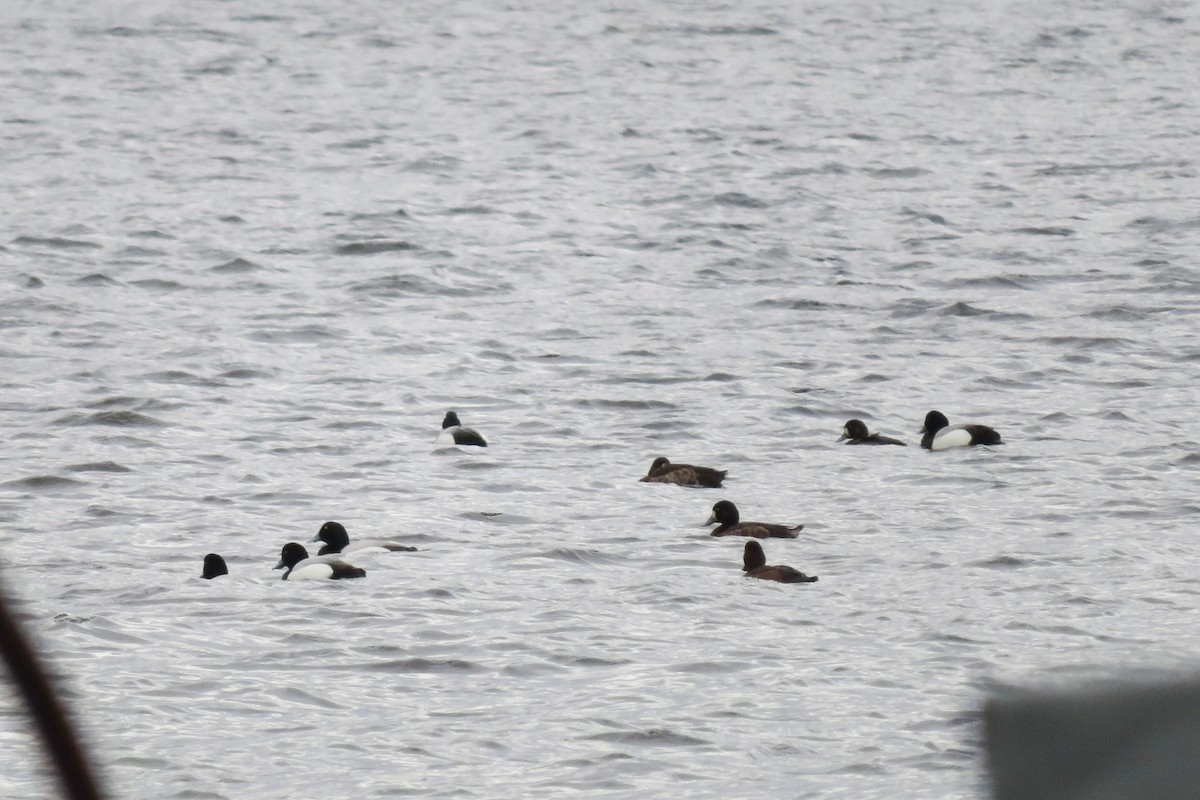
(252, 255)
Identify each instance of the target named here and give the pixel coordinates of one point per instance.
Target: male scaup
(754, 563)
(941, 435)
(301, 567)
(726, 513)
(855, 431)
(214, 565)
(453, 432)
(337, 541)
(663, 471)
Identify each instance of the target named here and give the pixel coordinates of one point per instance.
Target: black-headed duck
(453, 432)
(726, 513)
(337, 542)
(941, 435)
(300, 567)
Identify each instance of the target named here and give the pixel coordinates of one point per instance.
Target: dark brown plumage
(855, 432)
(663, 471)
(754, 562)
(726, 514)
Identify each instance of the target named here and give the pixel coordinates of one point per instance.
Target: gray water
(253, 253)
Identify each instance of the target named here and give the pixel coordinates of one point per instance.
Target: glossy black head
(291, 555)
(214, 565)
(934, 422)
(753, 556)
(855, 430)
(724, 512)
(335, 537)
(450, 420)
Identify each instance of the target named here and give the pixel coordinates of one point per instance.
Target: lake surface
(253, 254)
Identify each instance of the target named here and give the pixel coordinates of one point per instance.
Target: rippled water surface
(253, 253)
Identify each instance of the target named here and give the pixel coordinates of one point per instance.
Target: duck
(214, 566)
(939, 434)
(754, 563)
(300, 567)
(453, 432)
(726, 513)
(337, 541)
(663, 471)
(855, 432)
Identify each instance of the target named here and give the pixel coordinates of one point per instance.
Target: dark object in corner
(75, 772)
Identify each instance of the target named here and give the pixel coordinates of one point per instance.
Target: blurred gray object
(1136, 742)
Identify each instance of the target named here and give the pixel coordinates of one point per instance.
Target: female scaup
(726, 513)
(754, 562)
(941, 435)
(337, 541)
(301, 567)
(855, 431)
(214, 565)
(453, 432)
(663, 471)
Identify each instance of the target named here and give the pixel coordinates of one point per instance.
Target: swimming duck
(337, 541)
(453, 432)
(214, 566)
(663, 471)
(754, 563)
(941, 435)
(300, 567)
(855, 431)
(726, 514)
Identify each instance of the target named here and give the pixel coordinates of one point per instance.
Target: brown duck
(663, 471)
(754, 563)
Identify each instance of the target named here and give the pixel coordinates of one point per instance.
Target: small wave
(739, 200)
(403, 286)
(305, 333)
(988, 282)
(98, 466)
(581, 556)
(590, 661)
(653, 736)
(453, 665)
(728, 30)
(469, 210)
(710, 667)
(1121, 313)
(244, 373)
(1089, 342)
(961, 309)
(95, 279)
(158, 284)
(131, 419)
(1048, 231)
(633, 405)
(1002, 562)
(57, 242)
(44, 483)
(797, 304)
(237, 265)
(897, 172)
